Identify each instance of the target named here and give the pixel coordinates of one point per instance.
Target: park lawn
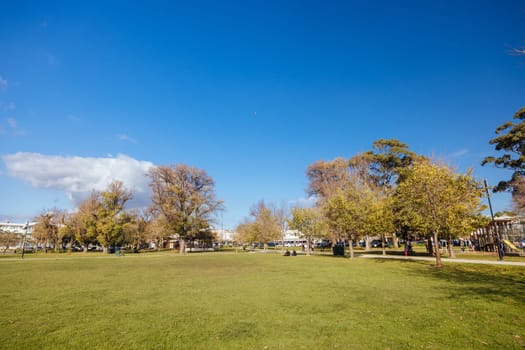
(258, 301)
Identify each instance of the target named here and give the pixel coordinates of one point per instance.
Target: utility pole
(495, 236)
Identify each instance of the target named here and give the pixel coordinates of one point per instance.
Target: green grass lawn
(257, 301)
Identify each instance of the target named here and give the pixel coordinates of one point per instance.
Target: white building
(19, 229)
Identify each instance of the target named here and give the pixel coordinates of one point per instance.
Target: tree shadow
(473, 280)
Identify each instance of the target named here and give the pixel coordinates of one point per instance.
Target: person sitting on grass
(294, 253)
(287, 253)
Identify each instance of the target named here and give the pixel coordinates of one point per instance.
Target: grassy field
(257, 301)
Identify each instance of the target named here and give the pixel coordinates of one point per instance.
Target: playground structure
(510, 230)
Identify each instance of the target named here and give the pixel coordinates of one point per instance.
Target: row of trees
(387, 190)
(390, 189)
(183, 204)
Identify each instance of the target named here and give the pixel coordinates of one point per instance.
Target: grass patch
(258, 301)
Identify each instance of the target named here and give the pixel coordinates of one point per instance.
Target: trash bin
(339, 250)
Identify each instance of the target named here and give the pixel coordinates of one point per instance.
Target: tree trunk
(351, 246)
(182, 246)
(450, 250)
(85, 248)
(308, 241)
(105, 249)
(383, 243)
(367, 243)
(395, 240)
(437, 250)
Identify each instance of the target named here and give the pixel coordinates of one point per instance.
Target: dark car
(377, 243)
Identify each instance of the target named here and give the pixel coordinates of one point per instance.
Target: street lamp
(26, 226)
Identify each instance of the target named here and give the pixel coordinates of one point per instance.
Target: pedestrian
(294, 253)
(501, 250)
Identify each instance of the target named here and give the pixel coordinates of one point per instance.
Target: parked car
(377, 243)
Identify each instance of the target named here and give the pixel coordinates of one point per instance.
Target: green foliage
(512, 143)
(308, 222)
(110, 215)
(432, 199)
(387, 161)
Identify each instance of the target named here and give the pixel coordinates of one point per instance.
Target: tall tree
(265, 226)
(387, 160)
(327, 177)
(511, 141)
(110, 216)
(185, 196)
(436, 200)
(83, 223)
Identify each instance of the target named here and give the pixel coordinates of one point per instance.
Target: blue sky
(252, 92)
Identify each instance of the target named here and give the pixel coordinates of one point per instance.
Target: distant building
(225, 235)
(18, 229)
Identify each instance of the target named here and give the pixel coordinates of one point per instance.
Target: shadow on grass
(494, 283)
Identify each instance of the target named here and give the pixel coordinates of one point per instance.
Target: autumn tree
(265, 225)
(48, 228)
(438, 201)
(110, 217)
(137, 227)
(326, 178)
(308, 222)
(185, 197)
(83, 223)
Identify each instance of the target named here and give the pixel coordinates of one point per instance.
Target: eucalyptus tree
(438, 201)
(185, 198)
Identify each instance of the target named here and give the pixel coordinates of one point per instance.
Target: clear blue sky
(252, 92)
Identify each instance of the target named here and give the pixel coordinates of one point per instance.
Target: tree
(8, 239)
(185, 197)
(386, 161)
(308, 222)
(326, 178)
(136, 228)
(265, 226)
(436, 200)
(519, 194)
(512, 143)
(110, 215)
(83, 223)
(48, 228)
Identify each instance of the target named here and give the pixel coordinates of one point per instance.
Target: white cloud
(78, 176)
(3, 83)
(124, 137)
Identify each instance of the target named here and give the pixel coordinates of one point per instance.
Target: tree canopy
(511, 142)
(185, 197)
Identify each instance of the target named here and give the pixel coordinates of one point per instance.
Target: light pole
(26, 226)
(495, 236)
